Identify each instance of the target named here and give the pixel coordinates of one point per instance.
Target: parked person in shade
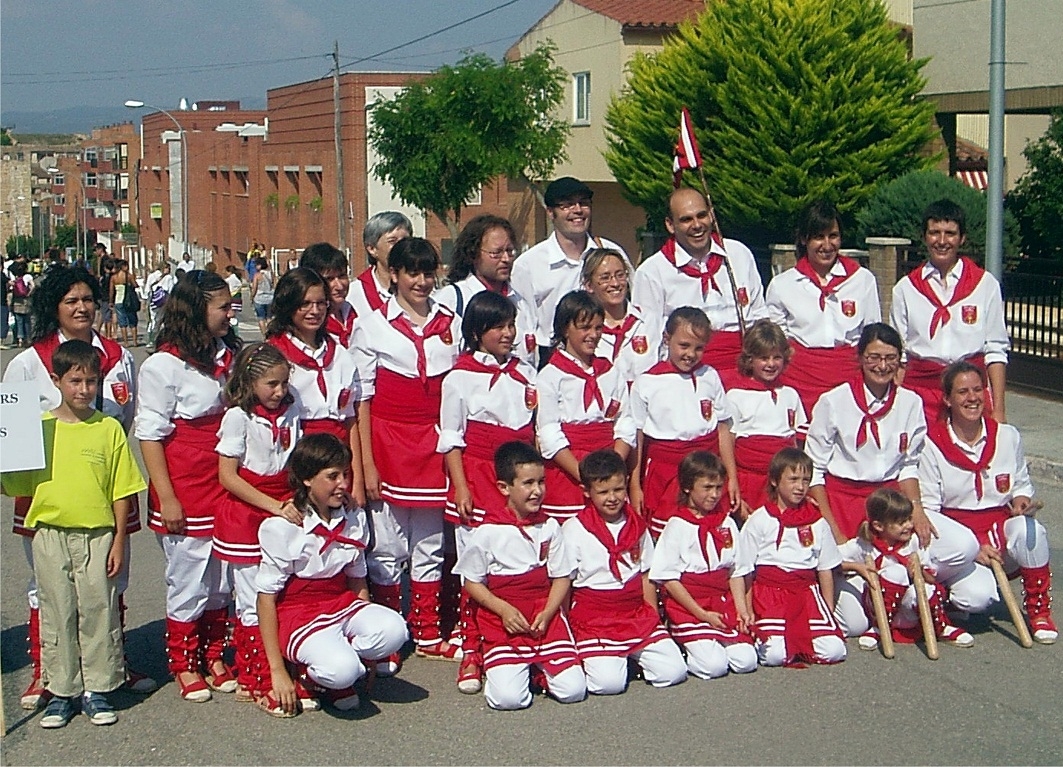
(553, 268)
(372, 288)
(689, 270)
(950, 309)
(81, 501)
(125, 300)
(822, 304)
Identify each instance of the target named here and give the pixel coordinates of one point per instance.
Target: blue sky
(57, 54)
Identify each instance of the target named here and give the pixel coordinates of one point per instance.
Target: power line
(91, 75)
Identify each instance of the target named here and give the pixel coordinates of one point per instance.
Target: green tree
(24, 244)
(65, 237)
(1037, 200)
(442, 138)
(791, 100)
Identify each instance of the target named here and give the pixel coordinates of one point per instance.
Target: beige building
(16, 195)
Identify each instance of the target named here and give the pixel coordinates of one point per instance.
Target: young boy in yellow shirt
(77, 549)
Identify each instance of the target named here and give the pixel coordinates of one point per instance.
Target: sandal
(268, 703)
(440, 650)
(470, 675)
(195, 691)
(223, 682)
(307, 693)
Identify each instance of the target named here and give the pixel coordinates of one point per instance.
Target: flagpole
(726, 258)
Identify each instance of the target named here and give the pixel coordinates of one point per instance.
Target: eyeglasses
(306, 306)
(605, 279)
(497, 255)
(878, 359)
(568, 205)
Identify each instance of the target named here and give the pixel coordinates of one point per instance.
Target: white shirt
(792, 300)
(356, 293)
(640, 348)
(293, 550)
(235, 284)
(561, 401)
(976, 324)
(186, 266)
(673, 405)
(525, 345)
(592, 558)
(377, 343)
(343, 385)
(249, 438)
(660, 288)
(468, 396)
(678, 551)
(170, 388)
(757, 547)
(543, 274)
(755, 413)
(943, 485)
(832, 434)
(891, 569)
(502, 550)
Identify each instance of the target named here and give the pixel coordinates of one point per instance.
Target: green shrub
(1037, 200)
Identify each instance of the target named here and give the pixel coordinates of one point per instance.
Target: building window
(90, 157)
(581, 98)
(58, 180)
(90, 179)
(59, 199)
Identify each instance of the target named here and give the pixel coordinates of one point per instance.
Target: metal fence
(1033, 313)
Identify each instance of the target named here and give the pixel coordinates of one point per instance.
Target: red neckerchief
(500, 514)
(591, 391)
(629, 540)
(969, 279)
(110, 354)
(509, 368)
(341, 329)
(735, 380)
(619, 332)
(835, 281)
(690, 269)
(219, 369)
(856, 386)
(805, 514)
(437, 326)
(297, 356)
(939, 435)
(333, 536)
(665, 366)
(885, 550)
(372, 296)
(709, 526)
(505, 291)
(273, 416)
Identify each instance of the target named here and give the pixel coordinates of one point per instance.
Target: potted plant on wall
(291, 203)
(316, 203)
(272, 201)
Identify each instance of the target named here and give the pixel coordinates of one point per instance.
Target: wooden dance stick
(1013, 605)
(885, 634)
(925, 618)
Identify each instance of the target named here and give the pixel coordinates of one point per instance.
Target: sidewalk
(1040, 420)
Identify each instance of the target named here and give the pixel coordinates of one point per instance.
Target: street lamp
(136, 104)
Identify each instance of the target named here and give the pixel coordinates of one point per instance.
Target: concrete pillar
(783, 257)
(884, 255)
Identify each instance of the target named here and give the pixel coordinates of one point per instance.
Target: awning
(976, 179)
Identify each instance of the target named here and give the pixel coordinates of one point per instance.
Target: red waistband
(530, 585)
(629, 596)
(927, 373)
(979, 521)
(326, 426)
(273, 485)
(788, 580)
(675, 450)
(312, 589)
(707, 584)
(857, 486)
(483, 439)
(199, 432)
(756, 451)
(589, 436)
(407, 400)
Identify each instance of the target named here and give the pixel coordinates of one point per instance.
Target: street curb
(1046, 469)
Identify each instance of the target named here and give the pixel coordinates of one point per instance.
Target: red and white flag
(687, 156)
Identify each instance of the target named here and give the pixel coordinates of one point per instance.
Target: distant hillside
(82, 119)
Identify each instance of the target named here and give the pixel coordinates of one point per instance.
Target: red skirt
(555, 651)
(405, 432)
(847, 498)
(790, 605)
(193, 468)
(711, 591)
(308, 605)
(722, 350)
(327, 426)
(753, 456)
(564, 496)
(614, 622)
(924, 378)
(478, 461)
(813, 371)
(986, 524)
(660, 478)
(236, 525)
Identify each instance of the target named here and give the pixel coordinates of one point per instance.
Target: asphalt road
(993, 704)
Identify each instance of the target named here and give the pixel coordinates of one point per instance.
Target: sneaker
(58, 713)
(390, 666)
(139, 683)
(1044, 630)
(96, 707)
(35, 695)
(954, 635)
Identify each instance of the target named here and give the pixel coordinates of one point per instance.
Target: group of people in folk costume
(573, 463)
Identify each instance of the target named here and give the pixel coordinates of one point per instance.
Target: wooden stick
(925, 618)
(1012, 604)
(885, 633)
(726, 259)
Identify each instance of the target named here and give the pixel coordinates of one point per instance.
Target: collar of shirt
(874, 404)
(952, 276)
(562, 352)
(836, 270)
(682, 257)
(95, 339)
(316, 354)
(486, 358)
(313, 519)
(392, 310)
(559, 257)
(975, 450)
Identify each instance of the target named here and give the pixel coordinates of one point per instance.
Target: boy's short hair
(75, 354)
(787, 458)
(697, 464)
(688, 315)
(601, 465)
(945, 210)
(323, 257)
(511, 455)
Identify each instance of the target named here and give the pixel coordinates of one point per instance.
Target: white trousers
(828, 649)
(121, 584)
(195, 580)
(401, 535)
(245, 594)
(849, 608)
(661, 662)
(710, 659)
(507, 687)
(333, 655)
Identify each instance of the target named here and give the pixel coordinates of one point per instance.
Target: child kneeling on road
(86, 485)
(519, 571)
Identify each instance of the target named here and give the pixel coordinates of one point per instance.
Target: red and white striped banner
(687, 156)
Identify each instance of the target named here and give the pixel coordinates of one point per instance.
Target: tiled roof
(645, 13)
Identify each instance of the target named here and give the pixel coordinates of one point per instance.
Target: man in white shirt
(186, 264)
(551, 268)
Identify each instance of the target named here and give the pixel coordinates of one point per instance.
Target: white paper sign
(21, 437)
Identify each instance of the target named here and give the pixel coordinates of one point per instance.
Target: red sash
(614, 622)
(833, 283)
(984, 523)
(754, 453)
(327, 426)
(236, 523)
(619, 332)
(969, 279)
(483, 439)
(407, 400)
(711, 590)
(814, 371)
(306, 605)
(368, 283)
(478, 462)
(847, 498)
(591, 391)
(939, 435)
(722, 350)
(794, 587)
(297, 356)
(660, 481)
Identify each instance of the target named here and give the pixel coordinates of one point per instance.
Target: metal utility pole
(994, 241)
(337, 123)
